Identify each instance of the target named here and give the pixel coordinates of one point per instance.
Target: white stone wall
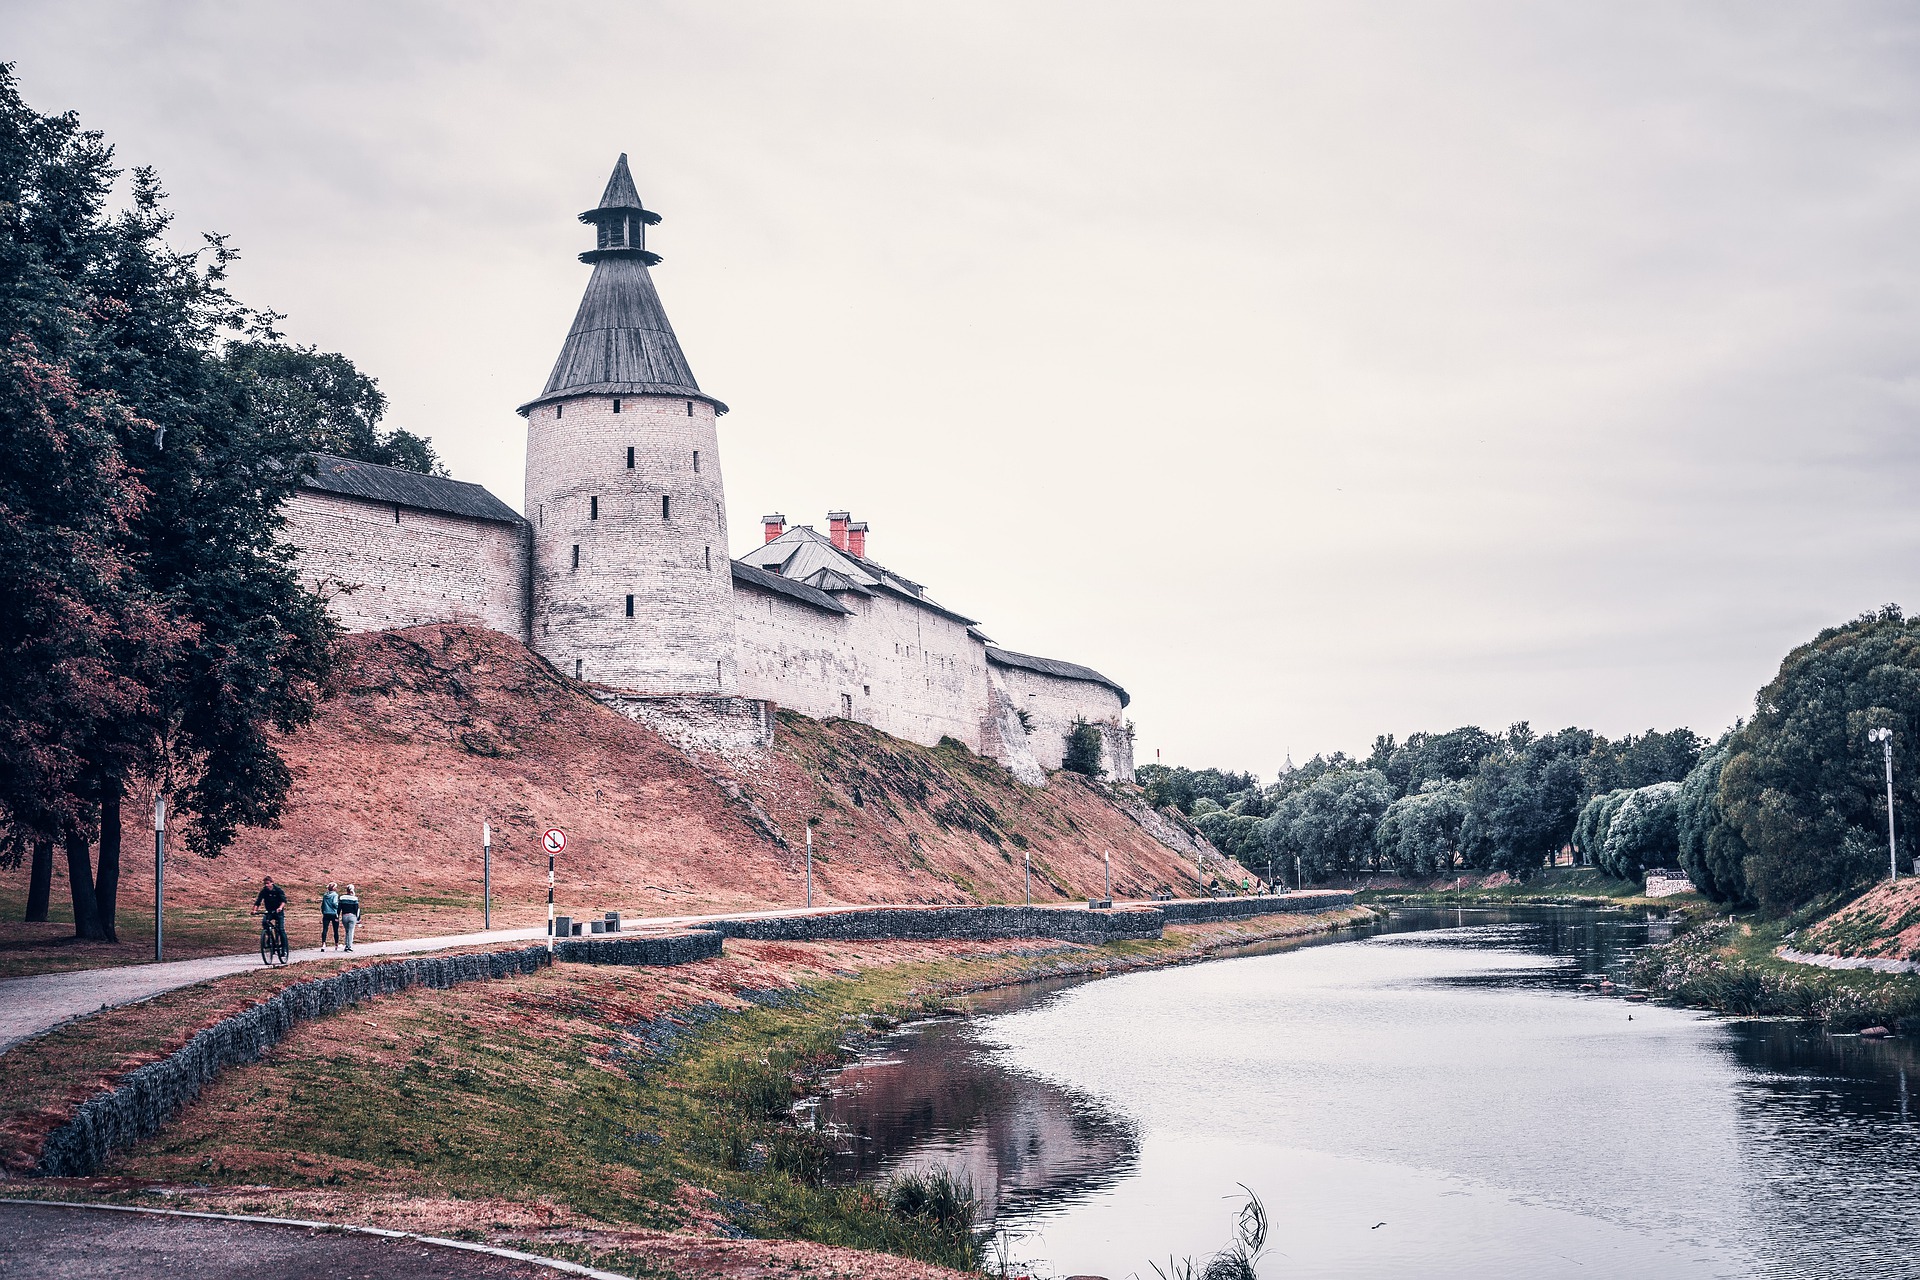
(918, 675)
(380, 566)
(1052, 704)
(905, 670)
(793, 654)
(680, 638)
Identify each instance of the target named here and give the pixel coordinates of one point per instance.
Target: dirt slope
(429, 731)
(1882, 924)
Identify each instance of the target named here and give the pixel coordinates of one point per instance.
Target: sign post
(159, 875)
(486, 875)
(809, 864)
(1109, 875)
(555, 840)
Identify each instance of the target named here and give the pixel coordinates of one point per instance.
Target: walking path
(32, 1005)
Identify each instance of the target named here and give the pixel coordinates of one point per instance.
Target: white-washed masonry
(617, 571)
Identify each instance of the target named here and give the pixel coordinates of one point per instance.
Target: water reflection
(934, 1095)
(1440, 1099)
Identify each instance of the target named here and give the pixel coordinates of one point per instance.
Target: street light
(159, 870)
(1884, 736)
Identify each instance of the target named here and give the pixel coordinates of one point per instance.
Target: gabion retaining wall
(658, 948)
(1068, 924)
(1208, 910)
(149, 1096)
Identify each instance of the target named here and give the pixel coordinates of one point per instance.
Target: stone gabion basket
(1066, 924)
(149, 1096)
(649, 949)
(1211, 910)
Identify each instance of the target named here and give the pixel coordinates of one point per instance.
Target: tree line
(1787, 806)
(152, 629)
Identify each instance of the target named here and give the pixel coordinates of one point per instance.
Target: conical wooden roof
(621, 342)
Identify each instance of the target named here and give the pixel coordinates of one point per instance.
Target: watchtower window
(616, 404)
(696, 462)
(689, 408)
(579, 668)
(629, 456)
(629, 606)
(709, 557)
(576, 555)
(593, 507)
(396, 515)
(666, 507)
(559, 411)
(846, 705)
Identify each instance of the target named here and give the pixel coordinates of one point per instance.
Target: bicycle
(273, 941)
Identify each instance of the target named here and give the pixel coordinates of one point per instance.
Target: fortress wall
(927, 674)
(793, 654)
(903, 669)
(680, 637)
(383, 566)
(1052, 705)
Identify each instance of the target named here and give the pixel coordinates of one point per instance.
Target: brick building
(618, 572)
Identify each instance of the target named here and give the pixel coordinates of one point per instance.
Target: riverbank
(636, 1119)
(1554, 887)
(1734, 966)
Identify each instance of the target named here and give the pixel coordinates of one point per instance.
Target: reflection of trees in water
(936, 1099)
(1829, 1138)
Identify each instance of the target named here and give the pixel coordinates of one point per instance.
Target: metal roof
(743, 572)
(804, 554)
(376, 483)
(1053, 667)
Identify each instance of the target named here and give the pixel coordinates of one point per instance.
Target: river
(1434, 1099)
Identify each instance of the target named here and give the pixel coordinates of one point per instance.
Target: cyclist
(271, 902)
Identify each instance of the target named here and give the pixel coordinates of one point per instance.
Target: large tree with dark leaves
(152, 623)
(1802, 784)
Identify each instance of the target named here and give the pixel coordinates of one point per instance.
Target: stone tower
(632, 585)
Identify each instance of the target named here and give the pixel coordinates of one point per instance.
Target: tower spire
(620, 220)
(621, 343)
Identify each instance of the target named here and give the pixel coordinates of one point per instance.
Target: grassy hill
(429, 731)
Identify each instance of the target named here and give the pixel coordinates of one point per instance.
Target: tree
(1525, 800)
(301, 391)
(1590, 829)
(1420, 834)
(1083, 750)
(1641, 833)
(142, 487)
(1711, 850)
(1642, 761)
(1329, 824)
(1802, 784)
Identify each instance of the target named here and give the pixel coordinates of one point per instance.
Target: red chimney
(857, 539)
(775, 525)
(837, 528)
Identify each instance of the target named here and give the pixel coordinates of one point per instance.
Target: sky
(1315, 371)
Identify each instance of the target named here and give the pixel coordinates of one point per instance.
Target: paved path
(32, 1005)
(29, 1006)
(67, 1242)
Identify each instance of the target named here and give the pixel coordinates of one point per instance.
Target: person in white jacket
(349, 914)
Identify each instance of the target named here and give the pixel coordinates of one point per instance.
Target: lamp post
(809, 864)
(1884, 737)
(159, 875)
(1029, 877)
(486, 875)
(1109, 875)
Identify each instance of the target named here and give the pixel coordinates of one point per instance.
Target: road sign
(556, 839)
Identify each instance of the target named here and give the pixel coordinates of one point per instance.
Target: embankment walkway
(33, 1005)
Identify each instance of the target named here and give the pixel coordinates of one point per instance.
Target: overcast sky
(1313, 370)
